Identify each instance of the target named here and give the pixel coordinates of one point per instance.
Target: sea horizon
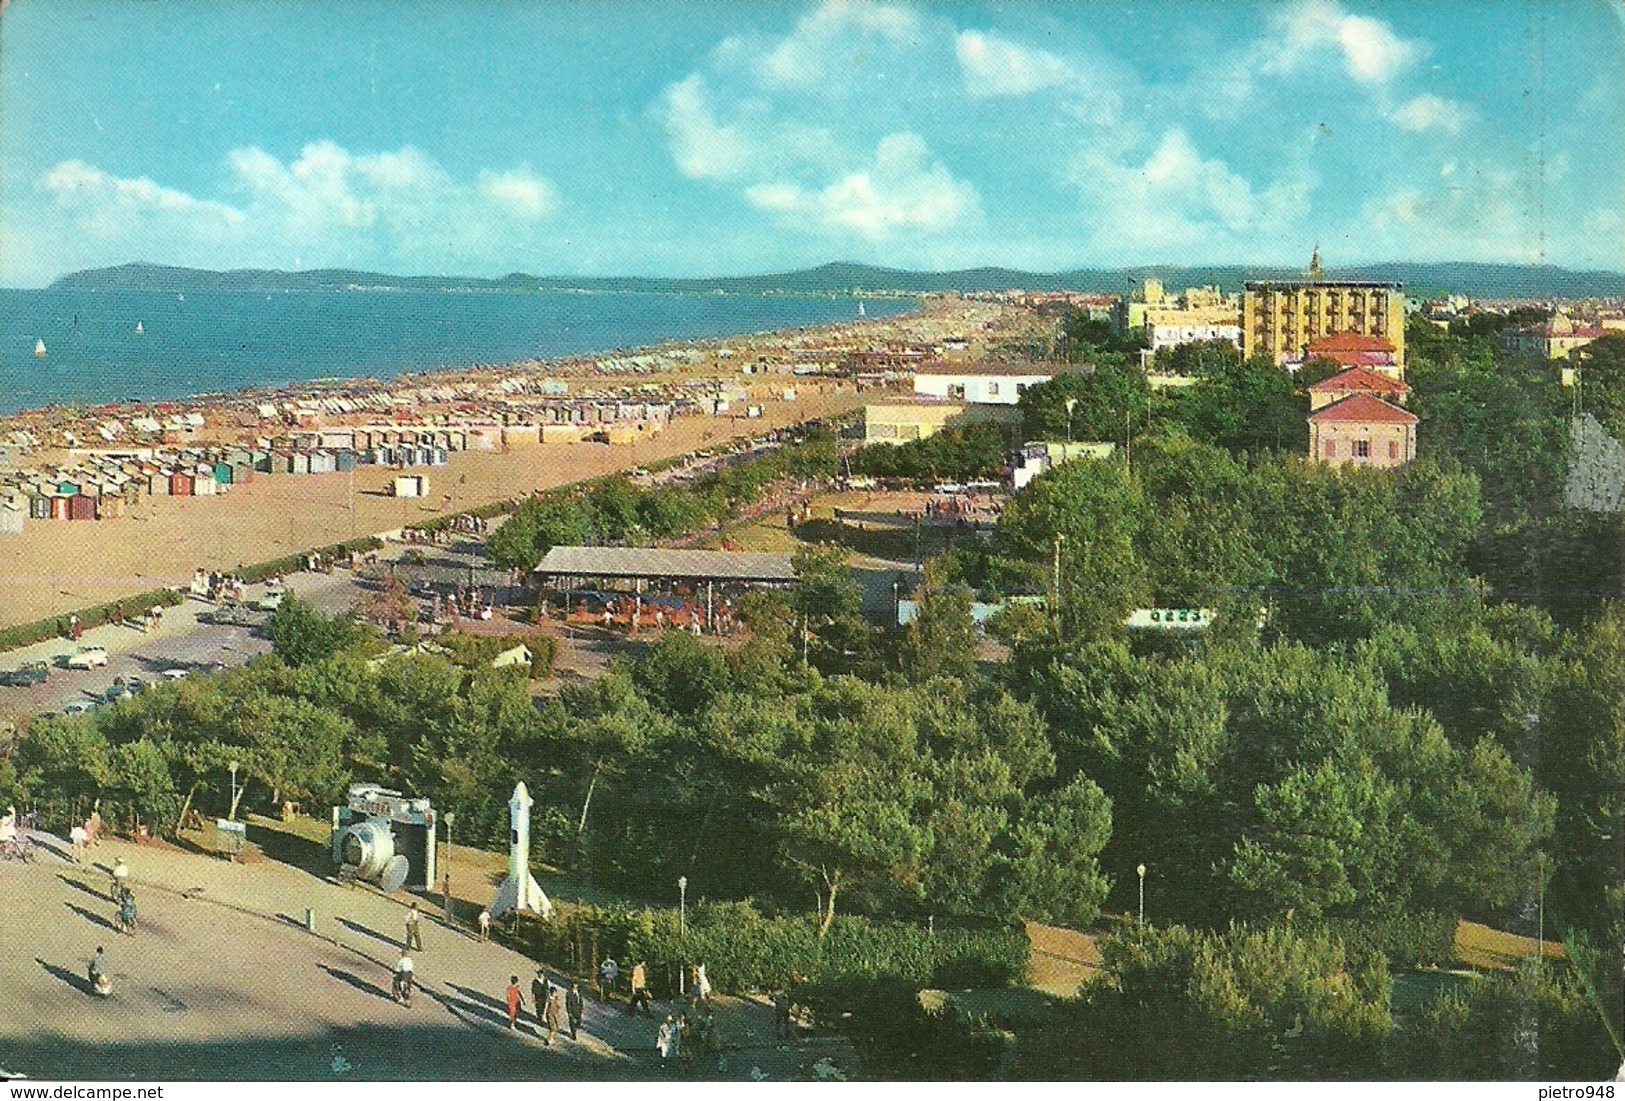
(197, 343)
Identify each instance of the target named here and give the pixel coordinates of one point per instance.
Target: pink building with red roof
(1363, 430)
(1357, 380)
(1348, 349)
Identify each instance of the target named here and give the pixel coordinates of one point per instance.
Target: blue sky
(641, 137)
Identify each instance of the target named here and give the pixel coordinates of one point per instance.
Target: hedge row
(1408, 939)
(292, 563)
(745, 950)
(26, 634)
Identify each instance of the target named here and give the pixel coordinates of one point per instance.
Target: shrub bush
(26, 634)
(1422, 939)
(745, 950)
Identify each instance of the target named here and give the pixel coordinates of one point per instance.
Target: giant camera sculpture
(385, 838)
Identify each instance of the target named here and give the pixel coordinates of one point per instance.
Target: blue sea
(208, 342)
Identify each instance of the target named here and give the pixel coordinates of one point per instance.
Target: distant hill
(1475, 280)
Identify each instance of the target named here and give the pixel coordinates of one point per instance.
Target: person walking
(77, 836)
(414, 930)
(575, 1006)
(404, 978)
(608, 972)
(555, 1012)
(514, 1002)
(485, 925)
(781, 1014)
(540, 989)
(121, 878)
(666, 1041)
(640, 991)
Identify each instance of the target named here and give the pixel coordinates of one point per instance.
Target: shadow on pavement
(72, 978)
(52, 846)
(349, 978)
(92, 917)
(481, 1005)
(296, 852)
(79, 885)
(357, 927)
(470, 1013)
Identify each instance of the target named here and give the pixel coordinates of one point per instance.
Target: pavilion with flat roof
(565, 566)
(660, 564)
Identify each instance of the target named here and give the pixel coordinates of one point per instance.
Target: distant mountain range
(1474, 280)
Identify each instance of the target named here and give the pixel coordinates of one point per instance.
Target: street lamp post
(233, 812)
(1540, 905)
(1056, 586)
(1071, 404)
(682, 930)
(445, 888)
(1141, 870)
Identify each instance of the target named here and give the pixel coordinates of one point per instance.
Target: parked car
(27, 674)
(176, 673)
(80, 707)
(271, 601)
(123, 688)
(234, 615)
(88, 657)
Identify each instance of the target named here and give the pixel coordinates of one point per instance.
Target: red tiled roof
(1349, 342)
(1362, 409)
(1359, 380)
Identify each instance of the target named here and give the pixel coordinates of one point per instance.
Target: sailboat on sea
(861, 312)
(139, 328)
(39, 348)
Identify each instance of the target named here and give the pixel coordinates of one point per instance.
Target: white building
(1033, 459)
(1171, 334)
(985, 384)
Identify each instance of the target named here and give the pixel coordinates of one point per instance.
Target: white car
(87, 657)
(271, 601)
(174, 674)
(79, 707)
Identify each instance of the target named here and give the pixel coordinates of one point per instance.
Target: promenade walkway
(222, 981)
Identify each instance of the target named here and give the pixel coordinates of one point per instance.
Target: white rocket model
(520, 891)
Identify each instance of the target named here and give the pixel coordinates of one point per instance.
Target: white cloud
(1181, 203)
(1301, 32)
(326, 205)
(1373, 52)
(1479, 212)
(901, 189)
(77, 185)
(778, 152)
(702, 148)
(521, 192)
(993, 66)
(1430, 112)
(832, 37)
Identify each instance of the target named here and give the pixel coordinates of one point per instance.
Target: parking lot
(184, 643)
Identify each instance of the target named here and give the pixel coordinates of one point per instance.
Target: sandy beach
(54, 568)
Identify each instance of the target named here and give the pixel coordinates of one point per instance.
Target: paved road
(222, 981)
(179, 642)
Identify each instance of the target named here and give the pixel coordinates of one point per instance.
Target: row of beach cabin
(104, 483)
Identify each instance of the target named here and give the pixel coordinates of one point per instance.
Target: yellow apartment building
(1281, 317)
